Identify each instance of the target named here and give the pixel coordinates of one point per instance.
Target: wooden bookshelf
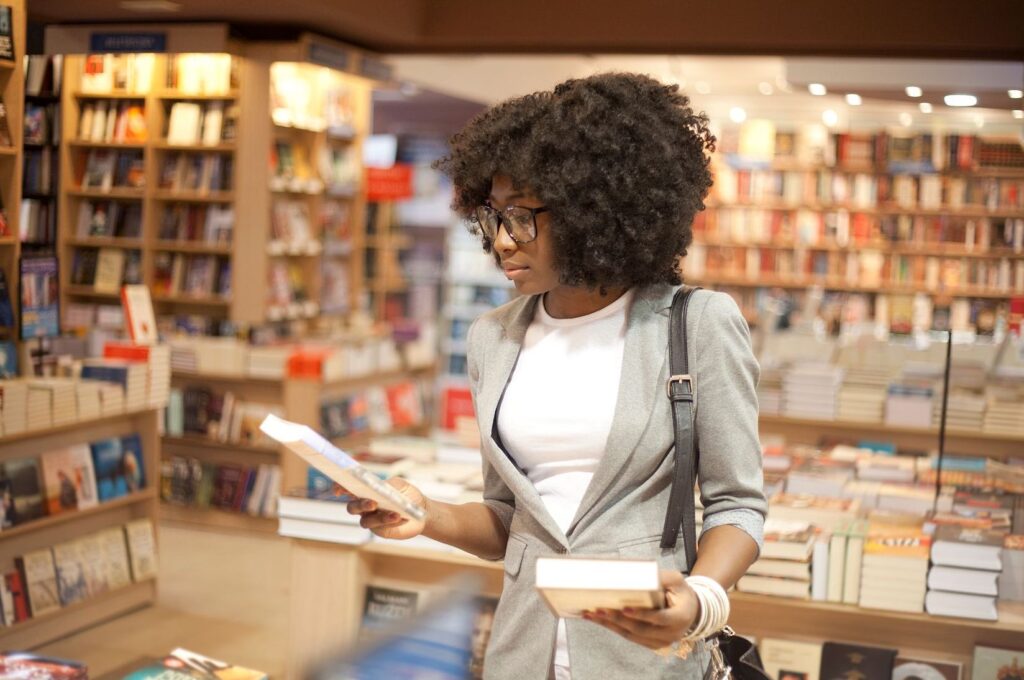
(958, 442)
(12, 91)
(766, 281)
(932, 249)
(54, 529)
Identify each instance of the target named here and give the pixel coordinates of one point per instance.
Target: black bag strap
(681, 510)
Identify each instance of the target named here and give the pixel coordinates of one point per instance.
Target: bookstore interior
(231, 278)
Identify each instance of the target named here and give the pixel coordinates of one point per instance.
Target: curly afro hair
(620, 160)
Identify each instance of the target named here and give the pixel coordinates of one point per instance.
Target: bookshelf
(324, 619)
(54, 529)
(38, 217)
(12, 83)
(182, 222)
(299, 400)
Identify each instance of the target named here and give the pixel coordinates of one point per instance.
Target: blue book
(8, 360)
(107, 460)
(132, 462)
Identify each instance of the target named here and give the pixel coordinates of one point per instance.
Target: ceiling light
(151, 5)
(914, 91)
(817, 89)
(702, 87)
(737, 114)
(853, 99)
(1015, 94)
(906, 119)
(960, 100)
(830, 118)
(1018, 114)
(925, 107)
(765, 88)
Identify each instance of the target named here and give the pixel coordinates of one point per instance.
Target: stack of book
(862, 395)
(320, 519)
(1011, 581)
(769, 390)
(89, 400)
(784, 567)
(157, 361)
(131, 376)
(811, 390)
(894, 568)
(820, 476)
(966, 410)
(59, 397)
(14, 402)
(964, 578)
(40, 410)
(111, 398)
(909, 404)
(1004, 412)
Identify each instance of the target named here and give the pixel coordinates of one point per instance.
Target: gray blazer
(624, 507)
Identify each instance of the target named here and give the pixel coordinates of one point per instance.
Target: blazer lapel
(501, 360)
(644, 371)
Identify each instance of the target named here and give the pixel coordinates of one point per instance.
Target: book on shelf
(127, 73)
(69, 479)
(790, 659)
(967, 548)
(908, 667)
(840, 660)
(37, 221)
(994, 663)
(138, 313)
(118, 465)
(112, 122)
(202, 173)
(1011, 580)
(43, 74)
(7, 50)
(571, 586)
(39, 576)
(14, 587)
(110, 268)
(39, 125)
(208, 74)
(69, 563)
(22, 477)
(109, 219)
(141, 549)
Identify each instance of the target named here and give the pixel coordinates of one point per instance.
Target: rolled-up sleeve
(725, 383)
(497, 496)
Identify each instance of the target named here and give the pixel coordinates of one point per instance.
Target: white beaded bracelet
(713, 606)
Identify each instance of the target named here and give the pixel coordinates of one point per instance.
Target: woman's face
(531, 266)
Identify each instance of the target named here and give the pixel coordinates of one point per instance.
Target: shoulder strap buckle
(680, 387)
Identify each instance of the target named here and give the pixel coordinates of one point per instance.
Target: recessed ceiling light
(1015, 94)
(853, 99)
(737, 114)
(817, 89)
(1018, 114)
(830, 118)
(906, 119)
(702, 87)
(151, 5)
(765, 88)
(925, 107)
(960, 100)
(914, 91)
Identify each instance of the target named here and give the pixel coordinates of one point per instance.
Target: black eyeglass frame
(503, 220)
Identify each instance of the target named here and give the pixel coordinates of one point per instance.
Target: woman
(586, 196)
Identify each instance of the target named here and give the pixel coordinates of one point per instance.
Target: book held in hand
(572, 585)
(339, 466)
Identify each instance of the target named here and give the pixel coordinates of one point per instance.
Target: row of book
(191, 483)
(43, 74)
(105, 169)
(867, 191)
(311, 99)
(862, 268)
(221, 416)
(288, 292)
(186, 74)
(109, 219)
(42, 124)
(191, 275)
(804, 228)
(290, 224)
(51, 578)
(196, 172)
(121, 73)
(112, 122)
(40, 171)
(37, 222)
(71, 478)
(376, 409)
(207, 124)
(212, 225)
(106, 269)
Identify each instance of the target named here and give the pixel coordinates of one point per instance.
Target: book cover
(6, 604)
(71, 583)
(116, 563)
(26, 503)
(182, 664)
(26, 665)
(993, 663)
(109, 270)
(108, 462)
(6, 310)
(14, 584)
(132, 462)
(141, 549)
(384, 606)
(842, 661)
(69, 479)
(791, 660)
(94, 564)
(39, 575)
(6, 32)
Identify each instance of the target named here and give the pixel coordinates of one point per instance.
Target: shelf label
(375, 69)
(127, 42)
(329, 56)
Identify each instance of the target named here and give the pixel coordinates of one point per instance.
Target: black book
(841, 662)
(6, 32)
(6, 310)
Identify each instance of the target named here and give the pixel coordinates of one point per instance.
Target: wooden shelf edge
(213, 518)
(79, 616)
(886, 289)
(44, 523)
(212, 197)
(125, 243)
(882, 428)
(187, 300)
(206, 442)
(87, 144)
(77, 425)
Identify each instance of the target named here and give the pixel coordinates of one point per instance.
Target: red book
(456, 403)
(125, 351)
(404, 405)
(14, 584)
(307, 363)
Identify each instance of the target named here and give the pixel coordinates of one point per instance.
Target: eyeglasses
(520, 223)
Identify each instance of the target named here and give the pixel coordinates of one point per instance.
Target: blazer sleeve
(497, 496)
(730, 471)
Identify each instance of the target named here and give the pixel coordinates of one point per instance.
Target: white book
(99, 122)
(330, 532)
(339, 466)
(962, 606)
(212, 123)
(334, 511)
(820, 567)
(968, 581)
(571, 585)
(141, 549)
(836, 566)
(183, 128)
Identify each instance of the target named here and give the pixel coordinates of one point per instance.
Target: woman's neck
(570, 302)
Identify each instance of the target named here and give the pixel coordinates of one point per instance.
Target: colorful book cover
(116, 562)
(907, 668)
(993, 663)
(841, 662)
(8, 360)
(26, 502)
(14, 585)
(141, 549)
(71, 583)
(26, 665)
(108, 462)
(39, 576)
(69, 479)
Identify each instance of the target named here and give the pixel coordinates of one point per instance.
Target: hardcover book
(141, 549)
(26, 491)
(841, 661)
(39, 576)
(71, 583)
(69, 479)
(115, 557)
(907, 668)
(385, 606)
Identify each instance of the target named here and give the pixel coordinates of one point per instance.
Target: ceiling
(987, 29)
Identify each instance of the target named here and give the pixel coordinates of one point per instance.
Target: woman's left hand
(654, 628)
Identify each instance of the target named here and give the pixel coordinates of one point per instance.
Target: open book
(339, 466)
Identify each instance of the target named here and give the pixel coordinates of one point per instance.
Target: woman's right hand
(389, 524)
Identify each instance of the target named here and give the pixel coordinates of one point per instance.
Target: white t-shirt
(557, 411)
